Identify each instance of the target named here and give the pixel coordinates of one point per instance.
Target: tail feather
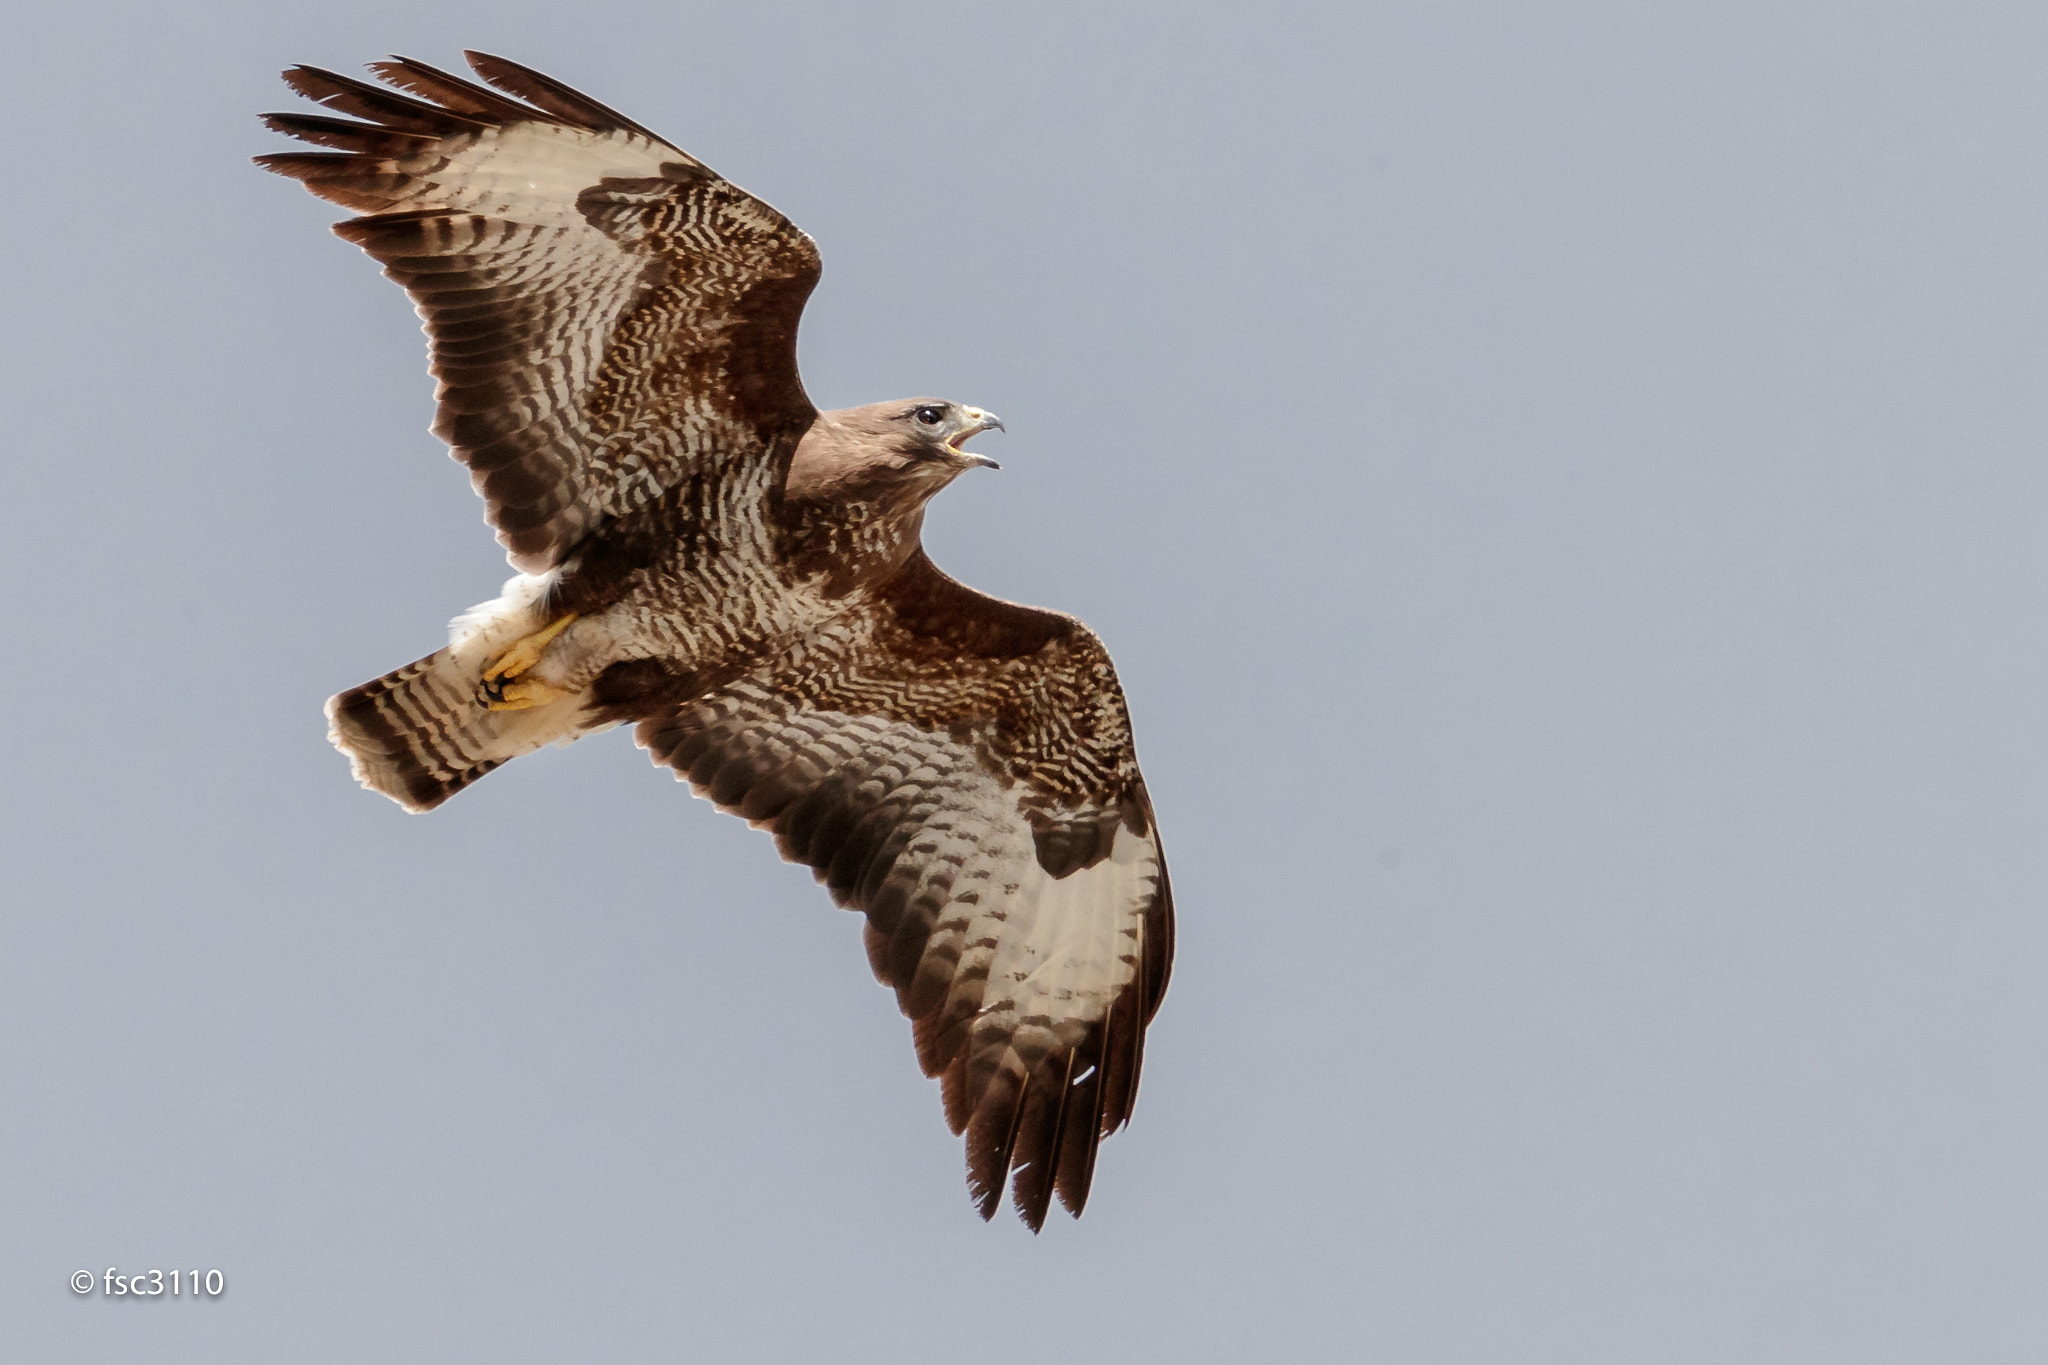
(423, 732)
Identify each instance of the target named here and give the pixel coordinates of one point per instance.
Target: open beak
(979, 422)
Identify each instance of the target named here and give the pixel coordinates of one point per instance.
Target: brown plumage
(707, 557)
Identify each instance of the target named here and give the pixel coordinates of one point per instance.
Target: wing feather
(607, 317)
(545, 92)
(453, 92)
(378, 105)
(1024, 924)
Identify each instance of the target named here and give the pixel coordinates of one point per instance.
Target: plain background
(1563, 485)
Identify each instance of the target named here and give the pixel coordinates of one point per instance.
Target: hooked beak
(980, 421)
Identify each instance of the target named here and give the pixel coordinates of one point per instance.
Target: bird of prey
(703, 554)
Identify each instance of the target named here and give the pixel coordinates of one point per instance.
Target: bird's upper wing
(608, 318)
(961, 770)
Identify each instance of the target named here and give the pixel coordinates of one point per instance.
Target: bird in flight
(704, 555)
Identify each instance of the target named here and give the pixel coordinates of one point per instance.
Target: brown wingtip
(545, 92)
(451, 91)
(992, 1139)
(381, 106)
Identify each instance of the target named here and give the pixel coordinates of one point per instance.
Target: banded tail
(423, 732)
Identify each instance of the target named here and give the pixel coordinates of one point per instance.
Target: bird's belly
(704, 621)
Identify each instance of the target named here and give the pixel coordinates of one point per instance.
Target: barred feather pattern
(960, 770)
(613, 330)
(1029, 991)
(423, 732)
(607, 317)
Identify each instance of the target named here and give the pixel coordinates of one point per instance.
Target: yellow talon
(524, 654)
(519, 696)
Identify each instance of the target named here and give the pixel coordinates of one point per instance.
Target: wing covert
(1005, 857)
(607, 317)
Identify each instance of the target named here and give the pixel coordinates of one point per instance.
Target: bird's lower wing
(1027, 934)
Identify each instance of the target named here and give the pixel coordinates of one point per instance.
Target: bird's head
(888, 452)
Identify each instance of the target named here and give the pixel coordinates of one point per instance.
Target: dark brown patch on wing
(932, 614)
(872, 763)
(596, 343)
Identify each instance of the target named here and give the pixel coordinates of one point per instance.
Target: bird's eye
(930, 417)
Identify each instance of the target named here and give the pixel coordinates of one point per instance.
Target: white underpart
(512, 615)
(488, 629)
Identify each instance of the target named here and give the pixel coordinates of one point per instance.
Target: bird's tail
(425, 731)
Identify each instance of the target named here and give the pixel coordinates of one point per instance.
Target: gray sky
(1564, 492)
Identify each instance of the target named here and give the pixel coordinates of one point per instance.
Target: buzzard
(703, 554)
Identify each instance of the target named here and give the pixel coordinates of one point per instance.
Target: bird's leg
(503, 695)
